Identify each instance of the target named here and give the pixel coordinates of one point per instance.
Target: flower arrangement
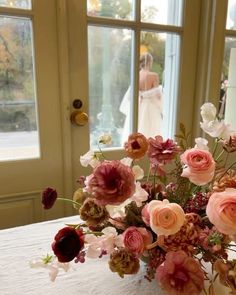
(179, 215)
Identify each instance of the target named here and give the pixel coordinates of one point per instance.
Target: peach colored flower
(200, 166)
(180, 274)
(136, 238)
(221, 211)
(165, 218)
(136, 146)
(111, 183)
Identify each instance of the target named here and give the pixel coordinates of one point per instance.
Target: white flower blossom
(118, 210)
(138, 172)
(89, 158)
(126, 161)
(201, 143)
(217, 129)
(53, 266)
(107, 242)
(140, 195)
(208, 112)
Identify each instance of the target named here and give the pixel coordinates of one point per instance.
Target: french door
(56, 52)
(107, 39)
(31, 156)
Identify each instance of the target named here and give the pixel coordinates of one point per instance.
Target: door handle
(79, 118)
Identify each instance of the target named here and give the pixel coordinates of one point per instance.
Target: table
(20, 245)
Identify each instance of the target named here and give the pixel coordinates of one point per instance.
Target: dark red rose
(68, 243)
(49, 197)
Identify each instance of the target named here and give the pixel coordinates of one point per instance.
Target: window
(119, 33)
(18, 111)
(228, 82)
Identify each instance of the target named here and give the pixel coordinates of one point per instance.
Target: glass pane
(227, 105)
(231, 15)
(165, 12)
(18, 123)
(123, 9)
(23, 4)
(158, 80)
(109, 83)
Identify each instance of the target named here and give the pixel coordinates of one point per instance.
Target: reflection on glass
(23, 4)
(231, 15)
(158, 80)
(227, 104)
(165, 12)
(109, 82)
(111, 8)
(18, 123)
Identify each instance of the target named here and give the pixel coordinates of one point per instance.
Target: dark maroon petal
(49, 197)
(68, 243)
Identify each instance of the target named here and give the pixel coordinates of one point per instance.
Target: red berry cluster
(197, 203)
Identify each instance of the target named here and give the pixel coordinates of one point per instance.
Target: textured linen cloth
(20, 245)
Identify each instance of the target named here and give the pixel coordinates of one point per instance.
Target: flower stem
(228, 169)
(220, 154)
(215, 148)
(96, 233)
(101, 152)
(70, 201)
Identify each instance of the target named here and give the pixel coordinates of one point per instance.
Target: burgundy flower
(67, 244)
(111, 183)
(180, 274)
(49, 197)
(161, 152)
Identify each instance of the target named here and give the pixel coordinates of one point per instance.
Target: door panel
(19, 177)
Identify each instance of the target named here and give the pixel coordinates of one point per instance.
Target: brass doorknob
(79, 118)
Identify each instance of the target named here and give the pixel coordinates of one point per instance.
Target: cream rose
(165, 218)
(221, 211)
(199, 166)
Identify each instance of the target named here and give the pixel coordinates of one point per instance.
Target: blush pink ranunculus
(165, 218)
(199, 166)
(111, 183)
(145, 215)
(180, 274)
(136, 238)
(221, 211)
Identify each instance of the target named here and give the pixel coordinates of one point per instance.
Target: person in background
(150, 102)
(150, 98)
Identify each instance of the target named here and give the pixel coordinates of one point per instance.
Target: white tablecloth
(20, 245)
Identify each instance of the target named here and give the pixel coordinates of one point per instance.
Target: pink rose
(136, 238)
(145, 215)
(111, 183)
(180, 274)
(165, 218)
(200, 166)
(221, 211)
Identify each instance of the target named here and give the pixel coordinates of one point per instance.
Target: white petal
(138, 172)
(126, 161)
(109, 231)
(201, 143)
(140, 195)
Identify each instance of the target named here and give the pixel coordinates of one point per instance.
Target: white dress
(149, 113)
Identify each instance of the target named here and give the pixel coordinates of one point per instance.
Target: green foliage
(16, 65)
